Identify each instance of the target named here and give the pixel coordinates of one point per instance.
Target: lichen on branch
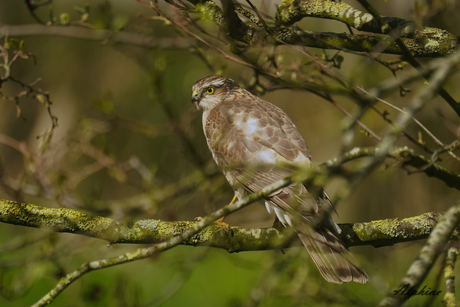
(375, 233)
(431, 42)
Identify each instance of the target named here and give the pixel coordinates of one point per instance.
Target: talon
(226, 226)
(220, 222)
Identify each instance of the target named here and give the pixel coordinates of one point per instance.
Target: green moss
(286, 11)
(387, 229)
(449, 299)
(422, 223)
(402, 154)
(209, 11)
(290, 11)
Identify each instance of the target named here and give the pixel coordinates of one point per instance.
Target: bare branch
(404, 157)
(96, 35)
(437, 79)
(407, 52)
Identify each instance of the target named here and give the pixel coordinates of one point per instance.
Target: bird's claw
(220, 222)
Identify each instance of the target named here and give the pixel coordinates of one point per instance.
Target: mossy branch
(375, 233)
(437, 47)
(426, 42)
(430, 42)
(290, 11)
(379, 233)
(143, 253)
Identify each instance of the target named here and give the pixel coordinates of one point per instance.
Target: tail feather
(335, 262)
(333, 259)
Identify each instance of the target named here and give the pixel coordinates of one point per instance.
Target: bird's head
(209, 91)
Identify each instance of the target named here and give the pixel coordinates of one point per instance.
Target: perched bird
(249, 138)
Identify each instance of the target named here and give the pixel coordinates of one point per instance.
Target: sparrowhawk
(255, 143)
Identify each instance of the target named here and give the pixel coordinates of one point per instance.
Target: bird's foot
(219, 222)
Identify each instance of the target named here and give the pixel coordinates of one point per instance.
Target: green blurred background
(132, 105)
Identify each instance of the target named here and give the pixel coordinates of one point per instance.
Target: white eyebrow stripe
(214, 83)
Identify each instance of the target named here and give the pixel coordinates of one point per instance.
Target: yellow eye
(210, 90)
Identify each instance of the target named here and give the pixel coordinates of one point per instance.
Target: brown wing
(248, 138)
(255, 128)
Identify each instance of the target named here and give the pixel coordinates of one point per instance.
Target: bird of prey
(249, 138)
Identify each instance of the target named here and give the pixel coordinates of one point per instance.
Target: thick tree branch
(367, 43)
(143, 253)
(431, 42)
(154, 231)
(375, 233)
(420, 42)
(289, 12)
(169, 234)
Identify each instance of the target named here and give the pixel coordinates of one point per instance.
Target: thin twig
(408, 56)
(435, 155)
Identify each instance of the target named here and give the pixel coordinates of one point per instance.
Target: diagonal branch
(449, 272)
(427, 257)
(144, 253)
(408, 54)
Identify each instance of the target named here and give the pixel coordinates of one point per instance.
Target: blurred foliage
(108, 129)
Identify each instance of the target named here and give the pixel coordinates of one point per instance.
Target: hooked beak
(195, 97)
